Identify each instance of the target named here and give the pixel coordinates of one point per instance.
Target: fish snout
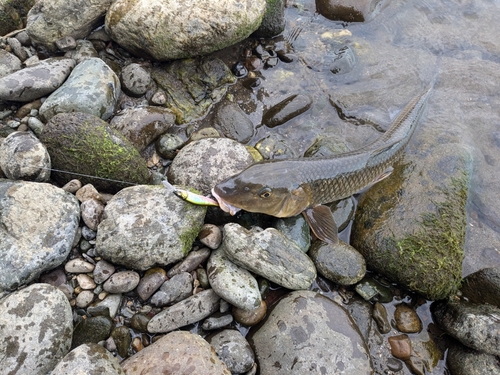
(225, 206)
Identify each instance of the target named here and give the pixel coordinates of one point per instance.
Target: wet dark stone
(286, 110)
(407, 320)
(381, 317)
(483, 286)
(342, 10)
(239, 70)
(465, 361)
(139, 322)
(123, 339)
(91, 330)
(400, 346)
(233, 122)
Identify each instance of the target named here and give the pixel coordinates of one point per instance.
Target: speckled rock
(188, 311)
(144, 226)
(88, 359)
(36, 80)
(78, 265)
(122, 282)
(12, 13)
(40, 219)
(36, 326)
(91, 330)
(465, 361)
(9, 63)
(234, 284)
(190, 263)
(84, 50)
(176, 31)
(483, 286)
(150, 282)
(142, 125)
(92, 211)
(204, 163)
(305, 328)
(176, 353)
(269, 254)
(103, 270)
(233, 122)
(49, 21)
(233, 349)
(135, 79)
(295, 229)
(348, 10)
(24, 157)
(174, 290)
(92, 88)
(71, 137)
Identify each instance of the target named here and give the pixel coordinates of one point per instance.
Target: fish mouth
(225, 206)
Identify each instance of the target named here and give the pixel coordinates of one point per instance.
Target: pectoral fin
(321, 222)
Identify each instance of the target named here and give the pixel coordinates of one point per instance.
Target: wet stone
(483, 286)
(407, 320)
(233, 123)
(381, 317)
(400, 347)
(135, 79)
(233, 349)
(274, 146)
(111, 302)
(250, 317)
(139, 322)
(91, 330)
(210, 236)
(295, 229)
(122, 337)
(190, 263)
(338, 262)
(286, 110)
(92, 211)
(371, 290)
(168, 145)
(122, 282)
(217, 322)
(176, 289)
(188, 311)
(150, 282)
(465, 361)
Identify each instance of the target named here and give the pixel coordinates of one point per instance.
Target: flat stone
(174, 290)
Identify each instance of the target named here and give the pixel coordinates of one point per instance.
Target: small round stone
(210, 236)
(92, 211)
(72, 186)
(250, 318)
(84, 299)
(103, 270)
(407, 320)
(85, 282)
(400, 346)
(122, 282)
(78, 265)
(152, 280)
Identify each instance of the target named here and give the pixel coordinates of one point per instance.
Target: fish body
(285, 188)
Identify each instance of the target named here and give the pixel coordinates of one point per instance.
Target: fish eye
(265, 192)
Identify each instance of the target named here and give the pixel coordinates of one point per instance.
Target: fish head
(263, 188)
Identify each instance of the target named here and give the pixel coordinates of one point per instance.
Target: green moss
(436, 247)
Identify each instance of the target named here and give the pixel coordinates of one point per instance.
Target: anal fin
(321, 222)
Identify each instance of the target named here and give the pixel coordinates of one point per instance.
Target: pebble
(122, 337)
(111, 302)
(168, 145)
(122, 282)
(88, 233)
(150, 282)
(139, 322)
(407, 320)
(17, 48)
(92, 212)
(400, 346)
(78, 265)
(85, 281)
(234, 350)
(210, 235)
(91, 330)
(87, 192)
(135, 79)
(188, 311)
(72, 186)
(9, 63)
(190, 262)
(381, 318)
(84, 50)
(66, 43)
(55, 277)
(176, 289)
(231, 121)
(102, 271)
(217, 322)
(250, 317)
(84, 298)
(137, 344)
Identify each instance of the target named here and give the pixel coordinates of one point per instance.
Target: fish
(288, 187)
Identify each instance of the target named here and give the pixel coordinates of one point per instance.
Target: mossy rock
(411, 226)
(13, 14)
(89, 147)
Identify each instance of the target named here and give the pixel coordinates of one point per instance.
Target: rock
(91, 330)
(91, 88)
(49, 21)
(122, 282)
(71, 137)
(304, 329)
(24, 157)
(295, 229)
(407, 320)
(232, 283)
(210, 26)
(217, 322)
(144, 226)
(103, 270)
(202, 164)
(92, 211)
(38, 223)
(66, 43)
(176, 289)
(84, 50)
(400, 346)
(54, 277)
(111, 303)
(12, 13)
(483, 286)
(150, 282)
(191, 86)
(233, 349)
(188, 311)
(36, 80)
(250, 317)
(122, 337)
(36, 326)
(135, 79)
(380, 316)
(139, 322)
(9, 63)
(339, 262)
(269, 254)
(210, 235)
(143, 125)
(347, 10)
(190, 263)
(85, 281)
(461, 360)
(168, 145)
(88, 192)
(176, 353)
(273, 22)
(275, 146)
(416, 221)
(286, 110)
(231, 121)
(475, 326)
(84, 299)
(88, 359)
(343, 61)
(17, 48)
(327, 146)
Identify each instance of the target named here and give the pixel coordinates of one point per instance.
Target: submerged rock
(168, 30)
(483, 286)
(411, 227)
(305, 328)
(348, 10)
(286, 110)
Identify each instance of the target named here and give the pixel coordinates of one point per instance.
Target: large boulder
(169, 29)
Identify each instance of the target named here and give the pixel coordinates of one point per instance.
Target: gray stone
(216, 322)
(231, 121)
(92, 211)
(24, 157)
(295, 229)
(84, 50)
(103, 270)
(483, 286)
(190, 263)
(145, 226)
(84, 298)
(202, 164)
(85, 281)
(88, 359)
(111, 302)
(476, 326)
(174, 290)
(168, 145)
(301, 333)
(92, 88)
(9, 63)
(135, 79)
(36, 326)
(269, 254)
(232, 283)
(178, 352)
(174, 31)
(17, 48)
(150, 282)
(233, 349)
(38, 224)
(338, 262)
(49, 21)
(122, 282)
(143, 125)
(188, 311)
(36, 80)
(461, 360)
